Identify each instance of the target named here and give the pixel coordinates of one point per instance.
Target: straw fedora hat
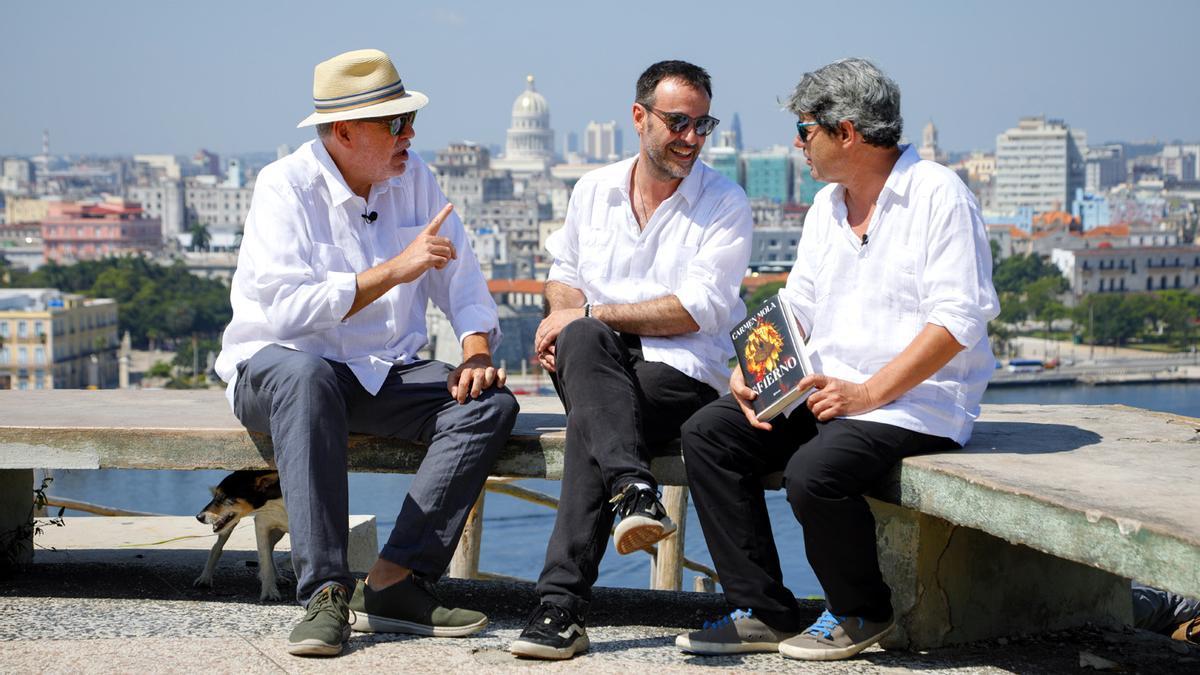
(358, 84)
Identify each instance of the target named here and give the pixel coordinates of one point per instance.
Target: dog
(240, 494)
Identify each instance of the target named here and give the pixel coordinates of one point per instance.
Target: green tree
(1016, 272)
(201, 237)
(1111, 318)
(763, 292)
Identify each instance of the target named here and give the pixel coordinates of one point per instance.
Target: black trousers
(827, 468)
(618, 407)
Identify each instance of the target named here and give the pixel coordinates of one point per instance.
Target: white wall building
(1039, 164)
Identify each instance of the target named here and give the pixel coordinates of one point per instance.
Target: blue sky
(149, 77)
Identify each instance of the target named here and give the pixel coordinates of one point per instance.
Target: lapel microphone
(370, 217)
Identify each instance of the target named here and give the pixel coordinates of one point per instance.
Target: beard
(666, 164)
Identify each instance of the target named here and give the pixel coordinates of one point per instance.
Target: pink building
(76, 231)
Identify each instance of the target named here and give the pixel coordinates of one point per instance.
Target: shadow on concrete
(1028, 438)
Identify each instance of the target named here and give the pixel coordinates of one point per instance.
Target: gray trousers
(309, 405)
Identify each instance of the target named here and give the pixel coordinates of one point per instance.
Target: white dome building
(530, 145)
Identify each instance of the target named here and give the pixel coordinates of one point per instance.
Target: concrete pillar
(16, 507)
(465, 563)
(953, 584)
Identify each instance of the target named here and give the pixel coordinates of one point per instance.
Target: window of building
(22, 355)
(4, 355)
(39, 328)
(39, 355)
(3, 329)
(22, 329)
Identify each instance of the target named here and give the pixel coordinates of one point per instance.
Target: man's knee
(582, 335)
(697, 435)
(295, 374)
(500, 407)
(806, 478)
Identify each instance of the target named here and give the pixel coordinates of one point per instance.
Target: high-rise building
(1104, 167)
(465, 175)
(735, 125)
(768, 175)
(1039, 165)
(602, 141)
(726, 161)
(206, 163)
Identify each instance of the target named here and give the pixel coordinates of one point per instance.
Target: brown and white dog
(240, 494)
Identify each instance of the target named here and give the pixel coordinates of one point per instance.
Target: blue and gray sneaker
(833, 638)
(737, 633)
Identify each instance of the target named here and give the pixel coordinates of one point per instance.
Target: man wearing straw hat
(346, 241)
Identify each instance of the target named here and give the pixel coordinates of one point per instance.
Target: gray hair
(853, 90)
(324, 130)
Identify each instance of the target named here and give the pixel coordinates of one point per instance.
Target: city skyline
(161, 78)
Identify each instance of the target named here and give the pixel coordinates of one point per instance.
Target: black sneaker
(644, 521)
(552, 633)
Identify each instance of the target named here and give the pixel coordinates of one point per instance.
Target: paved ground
(140, 614)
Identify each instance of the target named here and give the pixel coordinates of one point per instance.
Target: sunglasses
(802, 129)
(397, 124)
(678, 123)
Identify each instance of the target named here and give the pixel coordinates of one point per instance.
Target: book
(773, 356)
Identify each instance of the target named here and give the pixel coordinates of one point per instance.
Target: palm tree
(201, 237)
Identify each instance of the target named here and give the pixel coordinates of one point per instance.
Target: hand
(473, 376)
(547, 360)
(836, 398)
(426, 251)
(744, 395)
(552, 325)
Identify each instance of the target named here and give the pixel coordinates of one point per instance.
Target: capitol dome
(530, 103)
(530, 135)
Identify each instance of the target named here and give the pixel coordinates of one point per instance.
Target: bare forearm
(372, 284)
(562, 296)
(476, 346)
(933, 348)
(660, 317)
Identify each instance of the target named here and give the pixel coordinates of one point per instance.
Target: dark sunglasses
(397, 124)
(802, 129)
(678, 123)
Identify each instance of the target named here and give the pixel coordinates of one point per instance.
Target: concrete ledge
(94, 539)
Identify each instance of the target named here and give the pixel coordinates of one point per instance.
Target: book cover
(772, 356)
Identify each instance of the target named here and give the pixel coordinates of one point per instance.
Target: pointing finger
(434, 225)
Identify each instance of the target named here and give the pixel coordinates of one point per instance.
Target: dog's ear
(267, 481)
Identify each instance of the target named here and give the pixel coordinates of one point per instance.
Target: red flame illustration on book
(762, 350)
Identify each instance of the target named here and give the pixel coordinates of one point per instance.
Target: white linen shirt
(926, 261)
(696, 247)
(304, 242)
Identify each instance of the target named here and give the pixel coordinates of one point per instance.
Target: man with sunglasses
(893, 287)
(346, 242)
(641, 296)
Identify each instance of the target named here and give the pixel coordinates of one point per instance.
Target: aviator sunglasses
(678, 123)
(397, 124)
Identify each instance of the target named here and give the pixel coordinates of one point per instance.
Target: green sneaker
(325, 626)
(410, 607)
(736, 633)
(833, 638)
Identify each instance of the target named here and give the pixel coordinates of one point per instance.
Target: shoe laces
(625, 501)
(333, 599)
(558, 614)
(824, 625)
(729, 618)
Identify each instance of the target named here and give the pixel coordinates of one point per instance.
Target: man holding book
(892, 286)
(641, 297)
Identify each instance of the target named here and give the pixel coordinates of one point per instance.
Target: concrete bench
(1037, 525)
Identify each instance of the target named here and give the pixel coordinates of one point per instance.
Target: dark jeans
(309, 405)
(1161, 611)
(619, 406)
(827, 468)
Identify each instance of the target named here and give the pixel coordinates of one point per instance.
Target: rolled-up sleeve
(298, 292)
(956, 286)
(710, 289)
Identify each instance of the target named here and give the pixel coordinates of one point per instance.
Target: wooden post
(668, 568)
(703, 584)
(465, 563)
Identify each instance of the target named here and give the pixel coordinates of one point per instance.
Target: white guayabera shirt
(696, 247)
(926, 261)
(304, 242)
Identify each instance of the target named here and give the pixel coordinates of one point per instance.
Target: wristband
(587, 310)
